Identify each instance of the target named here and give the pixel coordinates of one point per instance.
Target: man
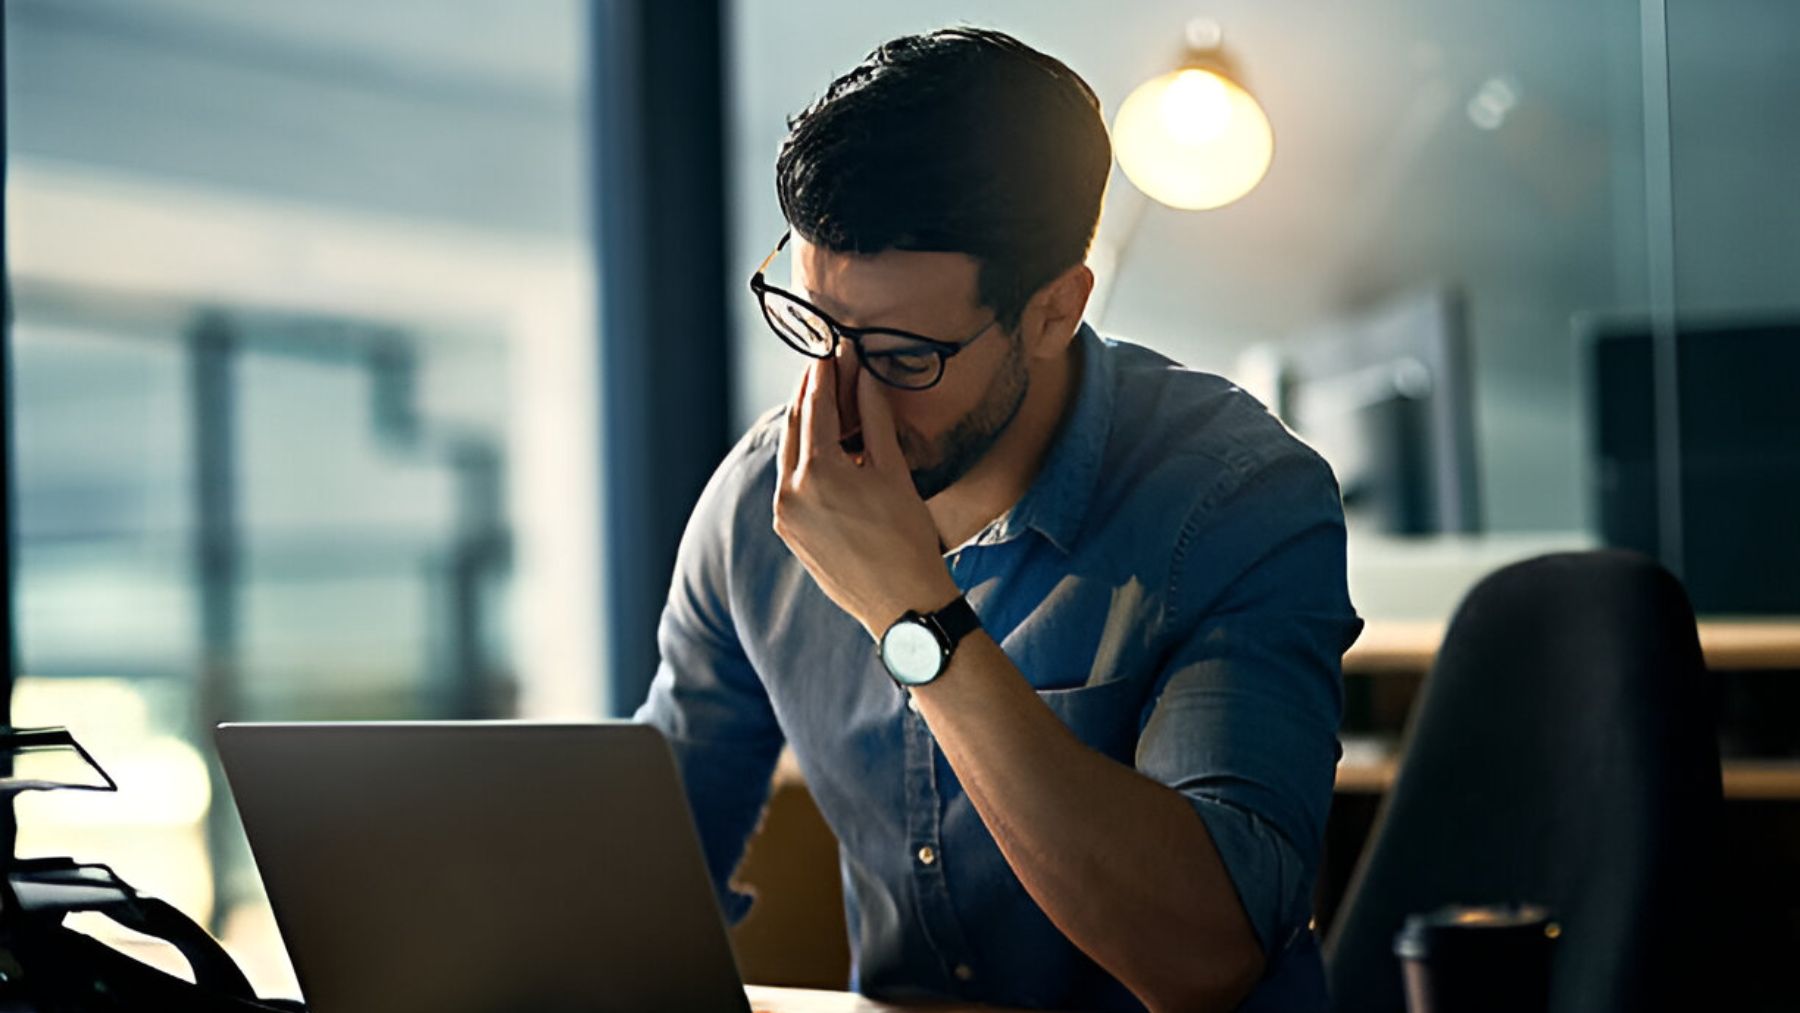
(1051, 624)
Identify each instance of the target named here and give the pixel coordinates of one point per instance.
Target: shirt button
(964, 972)
(927, 855)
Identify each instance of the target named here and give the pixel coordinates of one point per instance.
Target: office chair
(1562, 752)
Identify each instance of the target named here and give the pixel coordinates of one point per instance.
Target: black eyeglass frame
(855, 335)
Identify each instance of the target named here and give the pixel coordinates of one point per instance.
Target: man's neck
(1004, 474)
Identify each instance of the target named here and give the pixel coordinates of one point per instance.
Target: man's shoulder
(1203, 477)
(737, 499)
(756, 449)
(1186, 433)
(752, 458)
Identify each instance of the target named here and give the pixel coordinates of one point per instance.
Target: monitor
(1384, 394)
(1738, 436)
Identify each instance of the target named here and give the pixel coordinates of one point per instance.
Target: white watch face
(911, 653)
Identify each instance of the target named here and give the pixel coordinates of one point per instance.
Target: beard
(968, 441)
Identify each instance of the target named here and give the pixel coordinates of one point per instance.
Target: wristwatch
(917, 648)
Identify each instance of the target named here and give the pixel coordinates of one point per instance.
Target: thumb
(880, 441)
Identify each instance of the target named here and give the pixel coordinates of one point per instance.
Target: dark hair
(963, 140)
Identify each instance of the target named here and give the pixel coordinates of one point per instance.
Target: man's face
(946, 429)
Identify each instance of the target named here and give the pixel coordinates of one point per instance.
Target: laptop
(482, 867)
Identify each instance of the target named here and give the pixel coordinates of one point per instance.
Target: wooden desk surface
(1730, 645)
(802, 1000)
(1756, 780)
(1390, 647)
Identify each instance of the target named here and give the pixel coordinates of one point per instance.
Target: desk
(802, 1000)
(1391, 648)
(1753, 780)
(1408, 647)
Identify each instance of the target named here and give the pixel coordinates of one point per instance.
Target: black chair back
(1562, 752)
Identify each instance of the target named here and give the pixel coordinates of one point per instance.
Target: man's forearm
(1120, 863)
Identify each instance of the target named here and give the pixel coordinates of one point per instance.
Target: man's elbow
(1216, 982)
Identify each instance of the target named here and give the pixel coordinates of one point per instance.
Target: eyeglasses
(897, 358)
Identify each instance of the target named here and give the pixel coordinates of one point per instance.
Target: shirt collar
(1058, 497)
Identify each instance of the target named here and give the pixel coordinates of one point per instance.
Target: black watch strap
(956, 621)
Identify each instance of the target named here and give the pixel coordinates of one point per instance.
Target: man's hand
(856, 523)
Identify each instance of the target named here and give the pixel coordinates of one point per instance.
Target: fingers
(790, 435)
(818, 411)
(880, 441)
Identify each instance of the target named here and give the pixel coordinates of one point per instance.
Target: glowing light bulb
(1195, 108)
(1193, 139)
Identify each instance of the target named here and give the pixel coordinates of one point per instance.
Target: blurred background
(366, 357)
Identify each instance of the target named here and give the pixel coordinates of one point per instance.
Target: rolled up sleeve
(1244, 721)
(706, 698)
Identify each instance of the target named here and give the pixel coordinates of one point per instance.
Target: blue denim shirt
(1172, 584)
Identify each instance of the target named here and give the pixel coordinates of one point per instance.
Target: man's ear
(1054, 313)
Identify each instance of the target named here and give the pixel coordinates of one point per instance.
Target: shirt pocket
(1103, 715)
